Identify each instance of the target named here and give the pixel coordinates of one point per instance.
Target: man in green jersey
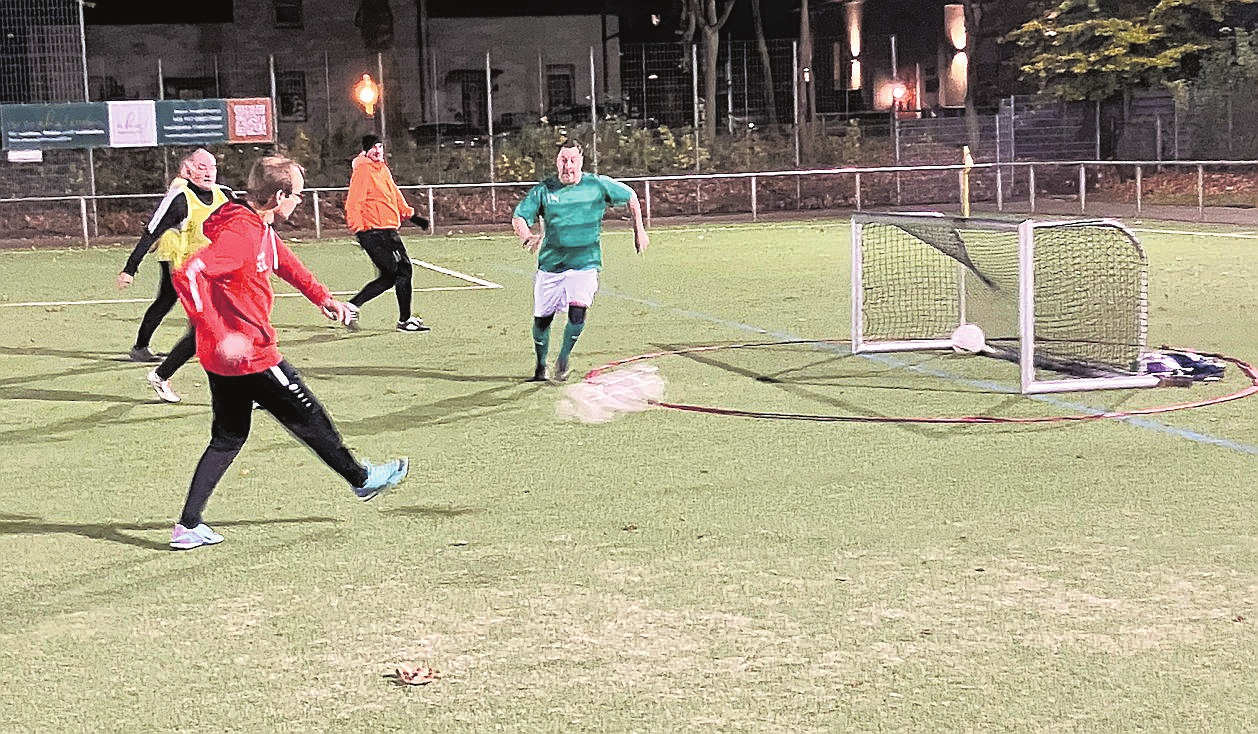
(571, 206)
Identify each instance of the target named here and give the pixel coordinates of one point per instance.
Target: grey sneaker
(561, 370)
(144, 354)
(353, 324)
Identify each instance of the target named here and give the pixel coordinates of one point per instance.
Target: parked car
(448, 135)
(576, 118)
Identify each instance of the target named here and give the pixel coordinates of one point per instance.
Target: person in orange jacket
(374, 209)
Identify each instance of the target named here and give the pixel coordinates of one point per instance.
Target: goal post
(1067, 301)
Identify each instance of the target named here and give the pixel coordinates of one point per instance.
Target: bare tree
(704, 17)
(765, 66)
(374, 19)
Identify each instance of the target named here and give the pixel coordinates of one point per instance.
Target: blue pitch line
(1138, 421)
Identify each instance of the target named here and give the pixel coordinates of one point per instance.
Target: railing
(1215, 191)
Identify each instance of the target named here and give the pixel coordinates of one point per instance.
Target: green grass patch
(665, 571)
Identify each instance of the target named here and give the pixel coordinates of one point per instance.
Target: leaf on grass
(420, 675)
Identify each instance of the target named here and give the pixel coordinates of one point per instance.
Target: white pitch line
(456, 274)
(75, 303)
(477, 284)
(1198, 233)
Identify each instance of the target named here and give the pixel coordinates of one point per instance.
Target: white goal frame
(1026, 235)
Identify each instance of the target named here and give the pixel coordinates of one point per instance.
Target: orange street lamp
(367, 94)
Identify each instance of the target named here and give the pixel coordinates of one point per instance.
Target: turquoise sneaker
(381, 478)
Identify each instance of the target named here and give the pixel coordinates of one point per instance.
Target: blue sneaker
(182, 538)
(381, 478)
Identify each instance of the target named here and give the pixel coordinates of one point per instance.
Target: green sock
(541, 342)
(571, 332)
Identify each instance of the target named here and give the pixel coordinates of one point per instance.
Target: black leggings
(164, 301)
(393, 269)
(281, 392)
(179, 355)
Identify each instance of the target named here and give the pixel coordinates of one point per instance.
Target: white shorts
(555, 292)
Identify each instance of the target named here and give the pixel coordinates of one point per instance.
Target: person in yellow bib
(173, 234)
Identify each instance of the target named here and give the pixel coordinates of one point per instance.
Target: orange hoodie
(374, 200)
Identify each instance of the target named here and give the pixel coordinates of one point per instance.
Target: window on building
(106, 88)
(288, 14)
(190, 87)
(291, 88)
(560, 86)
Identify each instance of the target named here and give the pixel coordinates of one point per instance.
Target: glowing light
(954, 84)
(954, 26)
(367, 94)
(854, 10)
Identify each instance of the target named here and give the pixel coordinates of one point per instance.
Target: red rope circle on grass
(1247, 369)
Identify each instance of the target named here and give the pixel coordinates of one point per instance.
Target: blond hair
(269, 176)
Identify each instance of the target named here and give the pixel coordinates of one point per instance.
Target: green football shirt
(574, 219)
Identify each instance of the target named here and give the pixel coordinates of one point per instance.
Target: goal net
(1065, 300)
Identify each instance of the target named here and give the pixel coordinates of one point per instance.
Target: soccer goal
(1065, 300)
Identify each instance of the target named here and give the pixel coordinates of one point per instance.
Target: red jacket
(226, 289)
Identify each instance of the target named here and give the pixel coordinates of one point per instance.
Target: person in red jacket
(374, 209)
(226, 289)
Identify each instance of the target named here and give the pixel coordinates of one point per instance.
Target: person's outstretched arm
(169, 215)
(526, 213)
(640, 238)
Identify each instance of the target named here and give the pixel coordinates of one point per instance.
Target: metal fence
(41, 51)
(1185, 190)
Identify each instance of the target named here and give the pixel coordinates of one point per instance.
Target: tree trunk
(972, 20)
(711, 49)
(805, 61)
(803, 89)
(703, 15)
(766, 67)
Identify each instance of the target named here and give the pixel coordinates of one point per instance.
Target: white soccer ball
(234, 347)
(969, 338)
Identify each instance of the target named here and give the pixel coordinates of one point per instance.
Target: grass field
(666, 571)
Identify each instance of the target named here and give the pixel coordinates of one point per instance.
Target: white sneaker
(163, 388)
(414, 323)
(182, 538)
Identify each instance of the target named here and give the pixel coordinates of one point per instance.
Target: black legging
(164, 301)
(281, 392)
(393, 269)
(179, 355)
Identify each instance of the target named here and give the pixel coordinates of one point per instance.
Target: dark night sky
(781, 16)
(912, 19)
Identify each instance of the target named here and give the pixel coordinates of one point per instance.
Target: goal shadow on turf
(921, 373)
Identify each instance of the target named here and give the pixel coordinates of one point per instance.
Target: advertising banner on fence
(191, 121)
(40, 126)
(136, 123)
(250, 120)
(132, 124)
